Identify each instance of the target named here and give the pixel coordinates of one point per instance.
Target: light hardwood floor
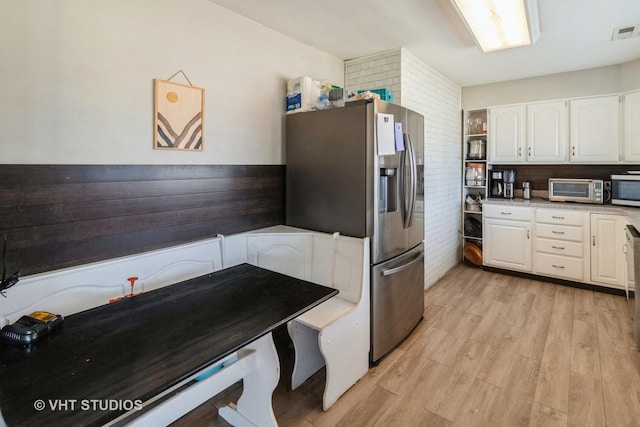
(492, 350)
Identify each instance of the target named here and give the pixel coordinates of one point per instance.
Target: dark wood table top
(138, 347)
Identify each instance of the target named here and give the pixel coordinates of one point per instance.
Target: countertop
(633, 214)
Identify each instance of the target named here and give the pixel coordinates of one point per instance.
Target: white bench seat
(71, 290)
(336, 333)
(326, 313)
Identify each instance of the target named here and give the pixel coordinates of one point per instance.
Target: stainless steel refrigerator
(344, 176)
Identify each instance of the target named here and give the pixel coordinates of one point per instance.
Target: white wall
(417, 86)
(438, 99)
(381, 70)
(594, 81)
(77, 80)
(630, 76)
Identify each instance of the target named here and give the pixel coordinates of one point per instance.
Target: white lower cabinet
(607, 250)
(560, 266)
(571, 244)
(559, 243)
(507, 233)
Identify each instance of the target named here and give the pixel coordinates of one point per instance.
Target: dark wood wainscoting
(57, 216)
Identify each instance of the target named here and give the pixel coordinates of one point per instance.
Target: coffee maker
(509, 183)
(501, 183)
(496, 183)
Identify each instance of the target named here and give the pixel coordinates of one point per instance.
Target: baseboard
(557, 281)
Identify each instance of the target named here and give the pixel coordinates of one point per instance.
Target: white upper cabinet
(506, 134)
(595, 129)
(632, 127)
(547, 134)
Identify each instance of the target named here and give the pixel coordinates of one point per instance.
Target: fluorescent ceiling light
(500, 24)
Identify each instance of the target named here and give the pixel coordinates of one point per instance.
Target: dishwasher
(633, 267)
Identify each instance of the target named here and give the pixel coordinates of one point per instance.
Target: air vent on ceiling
(626, 32)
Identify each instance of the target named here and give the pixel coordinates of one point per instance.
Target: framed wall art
(178, 116)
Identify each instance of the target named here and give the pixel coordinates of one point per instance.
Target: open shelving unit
(474, 176)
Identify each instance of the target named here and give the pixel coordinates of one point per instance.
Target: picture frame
(178, 116)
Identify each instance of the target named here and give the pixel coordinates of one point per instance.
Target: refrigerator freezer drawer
(397, 300)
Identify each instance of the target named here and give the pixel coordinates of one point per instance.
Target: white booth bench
(71, 290)
(335, 333)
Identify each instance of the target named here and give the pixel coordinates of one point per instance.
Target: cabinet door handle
(519, 151)
(558, 247)
(593, 240)
(557, 217)
(558, 266)
(557, 232)
(529, 148)
(573, 150)
(505, 213)
(527, 233)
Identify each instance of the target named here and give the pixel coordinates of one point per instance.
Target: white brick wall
(439, 99)
(418, 87)
(381, 70)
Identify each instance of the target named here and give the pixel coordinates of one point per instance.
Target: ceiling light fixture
(500, 24)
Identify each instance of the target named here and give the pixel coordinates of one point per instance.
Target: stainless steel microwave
(576, 190)
(625, 189)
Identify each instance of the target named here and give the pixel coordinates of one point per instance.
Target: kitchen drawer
(560, 216)
(559, 232)
(516, 213)
(559, 247)
(559, 266)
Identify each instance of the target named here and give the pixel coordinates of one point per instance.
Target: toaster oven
(576, 190)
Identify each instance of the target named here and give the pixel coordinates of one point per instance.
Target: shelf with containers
(474, 182)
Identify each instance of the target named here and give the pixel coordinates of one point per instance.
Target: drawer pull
(557, 217)
(561, 267)
(557, 232)
(558, 247)
(505, 213)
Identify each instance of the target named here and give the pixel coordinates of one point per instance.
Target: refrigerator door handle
(413, 169)
(390, 271)
(414, 180)
(402, 183)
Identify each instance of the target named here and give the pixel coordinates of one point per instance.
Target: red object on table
(132, 280)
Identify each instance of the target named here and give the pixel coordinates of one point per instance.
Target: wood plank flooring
(492, 350)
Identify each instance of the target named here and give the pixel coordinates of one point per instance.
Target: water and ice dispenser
(388, 190)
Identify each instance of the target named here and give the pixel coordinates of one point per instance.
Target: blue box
(294, 102)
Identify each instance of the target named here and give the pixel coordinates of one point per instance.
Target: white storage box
(302, 94)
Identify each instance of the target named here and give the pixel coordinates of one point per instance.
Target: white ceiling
(574, 34)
